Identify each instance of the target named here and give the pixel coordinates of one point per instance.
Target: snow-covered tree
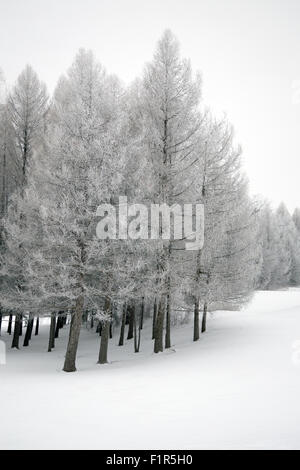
(225, 267)
(280, 249)
(170, 112)
(268, 240)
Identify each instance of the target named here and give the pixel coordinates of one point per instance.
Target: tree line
(153, 141)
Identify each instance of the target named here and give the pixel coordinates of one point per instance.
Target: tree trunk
(127, 315)
(51, 344)
(135, 334)
(123, 324)
(17, 329)
(31, 328)
(28, 331)
(131, 321)
(21, 325)
(0, 322)
(9, 328)
(196, 321)
(104, 343)
(168, 325)
(105, 336)
(70, 359)
(154, 319)
(58, 326)
(142, 314)
(203, 329)
(140, 333)
(37, 326)
(159, 327)
(62, 320)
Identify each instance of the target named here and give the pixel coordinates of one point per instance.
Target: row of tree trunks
(131, 314)
(9, 328)
(168, 324)
(154, 318)
(196, 320)
(203, 329)
(159, 326)
(158, 322)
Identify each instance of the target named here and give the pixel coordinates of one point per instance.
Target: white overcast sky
(248, 52)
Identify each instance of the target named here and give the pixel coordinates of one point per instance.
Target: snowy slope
(238, 387)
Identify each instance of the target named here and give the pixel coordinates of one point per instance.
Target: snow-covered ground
(238, 387)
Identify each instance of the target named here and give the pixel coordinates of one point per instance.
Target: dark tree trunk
(196, 320)
(21, 325)
(9, 328)
(159, 327)
(137, 333)
(37, 326)
(168, 325)
(51, 344)
(110, 330)
(131, 321)
(17, 329)
(0, 322)
(92, 321)
(70, 359)
(104, 343)
(142, 313)
(122, 332)
(58, 326)
(154, 319)
(135, 336)
(105, 336)
(28, 331)
(203, 329)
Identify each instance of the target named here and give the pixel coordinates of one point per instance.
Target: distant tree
(296, 218)
(268, 241)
